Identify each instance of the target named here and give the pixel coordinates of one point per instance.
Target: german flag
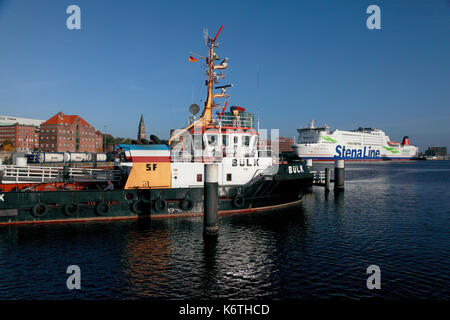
(192, 59)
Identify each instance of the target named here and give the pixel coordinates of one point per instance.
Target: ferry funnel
(405, 141)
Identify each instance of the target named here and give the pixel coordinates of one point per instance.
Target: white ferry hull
(363, 144)
(327, 153)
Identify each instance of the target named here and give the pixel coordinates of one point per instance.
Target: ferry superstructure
(362, 144)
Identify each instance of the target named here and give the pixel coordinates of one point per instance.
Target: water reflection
(146, 259)
(209, 280)
(339, 201)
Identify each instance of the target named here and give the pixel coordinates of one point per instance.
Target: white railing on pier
(319, 177)
(16, 174)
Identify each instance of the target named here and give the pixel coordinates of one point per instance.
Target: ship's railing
(12, 173)
(239, 121)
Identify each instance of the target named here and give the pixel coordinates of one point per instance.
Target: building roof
(10, 120)
(65, 118)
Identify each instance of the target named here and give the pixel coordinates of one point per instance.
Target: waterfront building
(284, 144)
(23, 137)
(436, 151)
(69, 133)
(10, 120)
(22, 132)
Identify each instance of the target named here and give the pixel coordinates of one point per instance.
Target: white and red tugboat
(166, 180)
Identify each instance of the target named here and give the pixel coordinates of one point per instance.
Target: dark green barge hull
(265, 193)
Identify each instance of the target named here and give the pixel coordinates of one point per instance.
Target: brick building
(23, 137)
(71, 133)
(284, 144)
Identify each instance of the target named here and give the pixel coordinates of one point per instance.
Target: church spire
(141, 130)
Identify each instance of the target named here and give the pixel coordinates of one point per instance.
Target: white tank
(66, 156)
(21, 161)
(50, 157)
(101, 156)
(89, 157)
(77, 157)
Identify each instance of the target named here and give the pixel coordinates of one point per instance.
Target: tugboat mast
(207, 115)
(212, 78)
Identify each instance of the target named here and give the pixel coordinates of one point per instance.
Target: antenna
(258, 122)
(215, 38)
(205, 36)
(257, 92)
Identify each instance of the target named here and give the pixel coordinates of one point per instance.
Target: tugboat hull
(266, 193)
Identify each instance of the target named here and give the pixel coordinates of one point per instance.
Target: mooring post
(117, 164)
(211, 200)
(327, 179)
(94, 156)
(339, 175)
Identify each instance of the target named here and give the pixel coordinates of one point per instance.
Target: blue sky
(316, 59)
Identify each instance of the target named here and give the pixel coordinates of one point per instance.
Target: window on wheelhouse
(246, 141)
(212, 140)
(225, 140)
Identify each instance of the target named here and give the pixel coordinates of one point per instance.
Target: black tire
(160, 205)
(70, 209)
(238, 201)
(39, 210)
(102, 208)
(137, 206)
(187, 204)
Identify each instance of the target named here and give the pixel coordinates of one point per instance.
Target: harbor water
(393, 215)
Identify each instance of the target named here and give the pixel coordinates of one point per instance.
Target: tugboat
(166, 180)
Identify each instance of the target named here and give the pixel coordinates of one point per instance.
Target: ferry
(362, 144)
(165, 180)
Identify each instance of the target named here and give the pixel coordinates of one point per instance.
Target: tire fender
(160, 205)
(238, 201)
(70, 209)
(102, 208)
(187, 204)
(39, 210)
